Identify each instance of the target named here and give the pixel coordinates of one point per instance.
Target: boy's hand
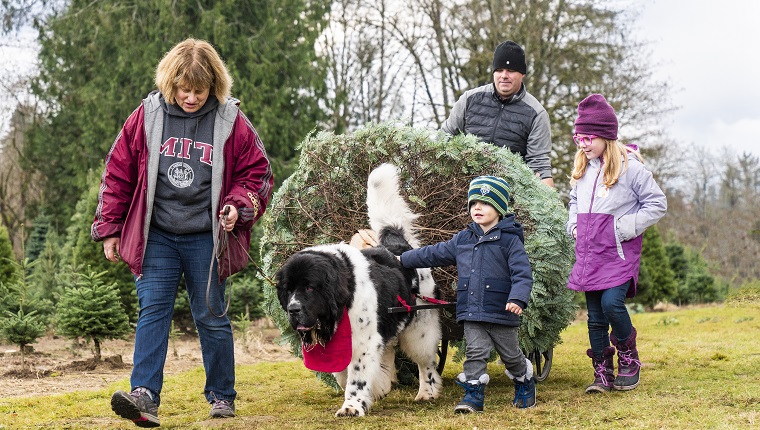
(514, 308)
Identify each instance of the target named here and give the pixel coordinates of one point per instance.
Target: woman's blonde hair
(193, 64)
(615, 158)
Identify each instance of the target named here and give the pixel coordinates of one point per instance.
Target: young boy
(493, 288)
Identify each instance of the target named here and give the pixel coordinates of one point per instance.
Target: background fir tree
(268, 46)
(699, 285)
(44, 285)
(20, 323)
(92, 310)
(21, 329)
(246, 286)
(678, 261)
(7, 258)
(657, 282)
(37, 237)
(81, 254)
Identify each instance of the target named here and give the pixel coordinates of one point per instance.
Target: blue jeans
(606, 308)
(167, 257)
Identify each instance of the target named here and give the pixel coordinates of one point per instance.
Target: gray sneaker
(222, 409)
(137, 406)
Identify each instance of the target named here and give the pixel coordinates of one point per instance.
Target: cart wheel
(542, 363)
(442, 351)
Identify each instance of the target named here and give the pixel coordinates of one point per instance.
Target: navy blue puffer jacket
(493, 269)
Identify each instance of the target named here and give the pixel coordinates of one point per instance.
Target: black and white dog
(316, 284)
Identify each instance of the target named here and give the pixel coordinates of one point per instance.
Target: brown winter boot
(604, 371)
(628, 362)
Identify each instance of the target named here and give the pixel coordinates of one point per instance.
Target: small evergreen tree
(44, 285)
(698, 285)
(92, 310)
(656, 279)
(701, 287)
(21, 329)
(7, 269)
(20, 326)
(246, 287)
(81, 254)
(679, 263)
(38, 237)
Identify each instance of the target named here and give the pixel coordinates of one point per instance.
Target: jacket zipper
(496, 124)
(588, 225)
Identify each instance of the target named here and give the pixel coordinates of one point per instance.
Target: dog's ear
(329, 289)
(282, 287)
(342, 293)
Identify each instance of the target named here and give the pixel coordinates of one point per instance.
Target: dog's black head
(313, 288)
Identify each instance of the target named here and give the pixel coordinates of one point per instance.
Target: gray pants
(480, 338)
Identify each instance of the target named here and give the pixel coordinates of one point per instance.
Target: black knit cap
(509, 55)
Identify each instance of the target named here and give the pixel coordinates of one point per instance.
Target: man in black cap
(505, 114)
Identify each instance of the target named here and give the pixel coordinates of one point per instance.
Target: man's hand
(548, 181)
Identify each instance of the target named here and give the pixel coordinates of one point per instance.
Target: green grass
(701, 370)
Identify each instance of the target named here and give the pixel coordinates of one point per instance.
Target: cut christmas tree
(323, 201)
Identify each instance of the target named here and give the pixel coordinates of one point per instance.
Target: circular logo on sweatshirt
(180, 175)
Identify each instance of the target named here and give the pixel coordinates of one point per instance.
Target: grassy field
(701, 370)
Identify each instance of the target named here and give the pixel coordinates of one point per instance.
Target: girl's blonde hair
(193, 64)
(615, 158)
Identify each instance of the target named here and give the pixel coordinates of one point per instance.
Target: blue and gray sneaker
(137, 406)
(222, 409)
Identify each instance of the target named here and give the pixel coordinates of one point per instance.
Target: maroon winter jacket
(242, 178)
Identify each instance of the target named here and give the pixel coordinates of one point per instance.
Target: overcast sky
(708, 50)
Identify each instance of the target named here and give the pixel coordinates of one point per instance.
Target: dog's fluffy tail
(389, 214)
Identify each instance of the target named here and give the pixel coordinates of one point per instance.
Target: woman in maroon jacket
(185, 154)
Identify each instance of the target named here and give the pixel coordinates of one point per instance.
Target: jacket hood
(506, 225)
(175, 110)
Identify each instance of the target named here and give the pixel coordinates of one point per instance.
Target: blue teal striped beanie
(489, 189)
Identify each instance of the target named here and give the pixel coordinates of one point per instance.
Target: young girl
(613, 200)
(494, 285)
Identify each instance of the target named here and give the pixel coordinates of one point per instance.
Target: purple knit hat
(597, 117)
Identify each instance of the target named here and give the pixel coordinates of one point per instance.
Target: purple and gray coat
(610, 224)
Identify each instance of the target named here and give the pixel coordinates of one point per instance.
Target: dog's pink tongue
(302, 327)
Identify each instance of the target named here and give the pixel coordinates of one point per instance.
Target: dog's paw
(349, 412)
(353, 407)
(424, 395)
(430, 389)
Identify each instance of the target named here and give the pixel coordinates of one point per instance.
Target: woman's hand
(232, 216)
(111, 248)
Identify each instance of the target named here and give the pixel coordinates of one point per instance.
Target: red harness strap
(404, 304)
(432, 300)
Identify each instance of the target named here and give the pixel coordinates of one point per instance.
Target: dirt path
(58, 365)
